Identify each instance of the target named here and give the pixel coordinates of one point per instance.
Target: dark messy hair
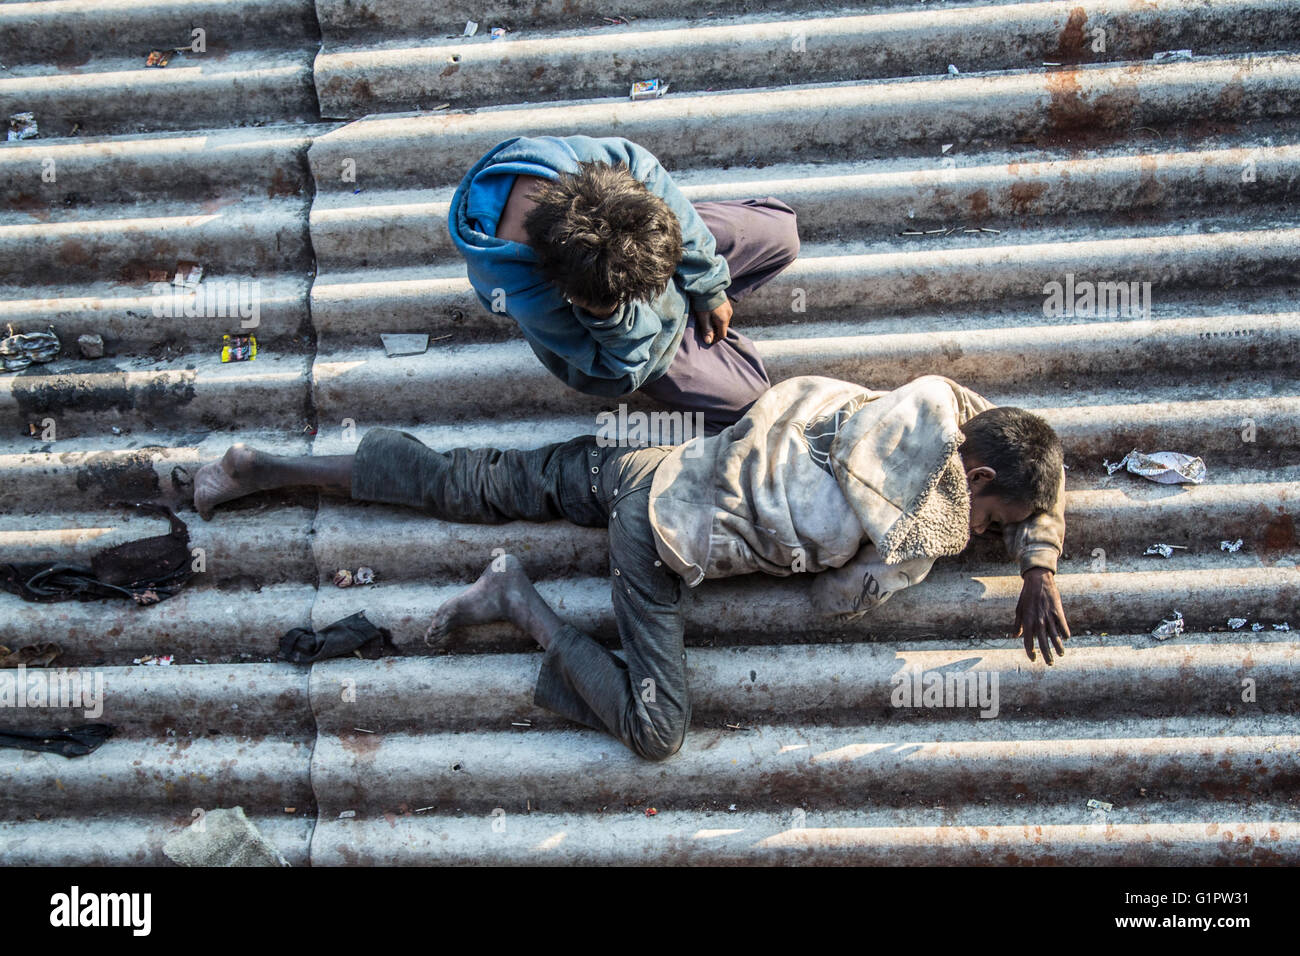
(602, 237)
(1022, 449)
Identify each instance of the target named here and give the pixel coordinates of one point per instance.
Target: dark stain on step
(119, 476)
(38, 392)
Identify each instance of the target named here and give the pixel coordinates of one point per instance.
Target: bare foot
(225, 480)
(499, 594)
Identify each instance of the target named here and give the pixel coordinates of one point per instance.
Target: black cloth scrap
(69, 741)
(302, 645)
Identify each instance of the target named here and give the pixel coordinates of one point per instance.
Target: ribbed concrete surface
(1111, 167)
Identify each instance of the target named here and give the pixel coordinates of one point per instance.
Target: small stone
(92, 346)
(343, 578)
(364, 576)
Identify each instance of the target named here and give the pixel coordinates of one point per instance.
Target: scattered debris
(238, 348)
(1232, 547)
(1284, 626)
(343, 578)
(1165, 550)
(347, 815)
(21, 350)
(188, 274)
(22, 126)
(945, 147)
(498, 33)
(1166, 55)
(731, 809)
(302, 645)
(29, 655)
(651, 812)
(648, 89)
(1170, 628)
(423, 809)
(91, 346)
(362, 730)
(1050, 63)
(1164, 467)
(1236, 623)
(159, 58)
(953, 70)
(1100, 805)
(150, 661)
(290, 809)
(521, 723)
(364, 576)
(996, 232)
(471, 28)
(404, 344)
(1257, 627)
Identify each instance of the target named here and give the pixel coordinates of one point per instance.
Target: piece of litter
(364, 576)
(911, 232)
(953, 70)
(1172, 55)
(945, 147)
(151, 661)
(732, 808)
(404, 343)
(290, 809)
(1164, 550)
(159, 58)
(648, 89)
(651, 812)
(343, 578)
(91, 346)
(347, 814)
(520, 723)
(1284, 626)
(1100, 805)
(1232, 547)
(19, 351)
(188, 274)
(422, 809)
(1257, 627)
(498, 32)
(471, 28)
(1050, 63)
(1170, 628)
(1164, 467)
(362, 730)
(1236, 623)
(115, 430)
(995, 232)
(22, 126)
(238, 348)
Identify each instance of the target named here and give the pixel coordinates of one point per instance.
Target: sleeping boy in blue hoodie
(617, 282)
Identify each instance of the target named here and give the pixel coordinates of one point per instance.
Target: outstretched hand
(714, 324)
(1039, 615)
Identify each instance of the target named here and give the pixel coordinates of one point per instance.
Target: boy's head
(1013, 464)
(603, 238)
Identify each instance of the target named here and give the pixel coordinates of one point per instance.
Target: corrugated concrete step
(208, 167)
(131, 840)
(88, 398)
(1199, 834)
(809, 45)
(84, 474)
(225, 235)
(959, 764)
(1085, 106)
(135, 317)
(1130, 595)
(246, 549)
(1120, 514)
(834, 683)
(199, 623)
(122, 95)
(66, 33)
(849, 281)
(386, 229)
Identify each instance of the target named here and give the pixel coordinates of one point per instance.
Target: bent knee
(656, 746)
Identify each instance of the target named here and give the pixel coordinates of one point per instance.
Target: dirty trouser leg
(482, 485)
(643, 699)
(758, 238)
(579, 678)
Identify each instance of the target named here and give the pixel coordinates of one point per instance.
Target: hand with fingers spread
(713, 325)
(1040, 616)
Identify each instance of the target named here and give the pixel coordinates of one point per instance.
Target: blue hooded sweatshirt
(609, 356)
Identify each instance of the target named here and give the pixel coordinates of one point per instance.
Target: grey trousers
(641, 699)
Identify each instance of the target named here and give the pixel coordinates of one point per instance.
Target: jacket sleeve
(1037, 541)
(702, 273)
(863, 584)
